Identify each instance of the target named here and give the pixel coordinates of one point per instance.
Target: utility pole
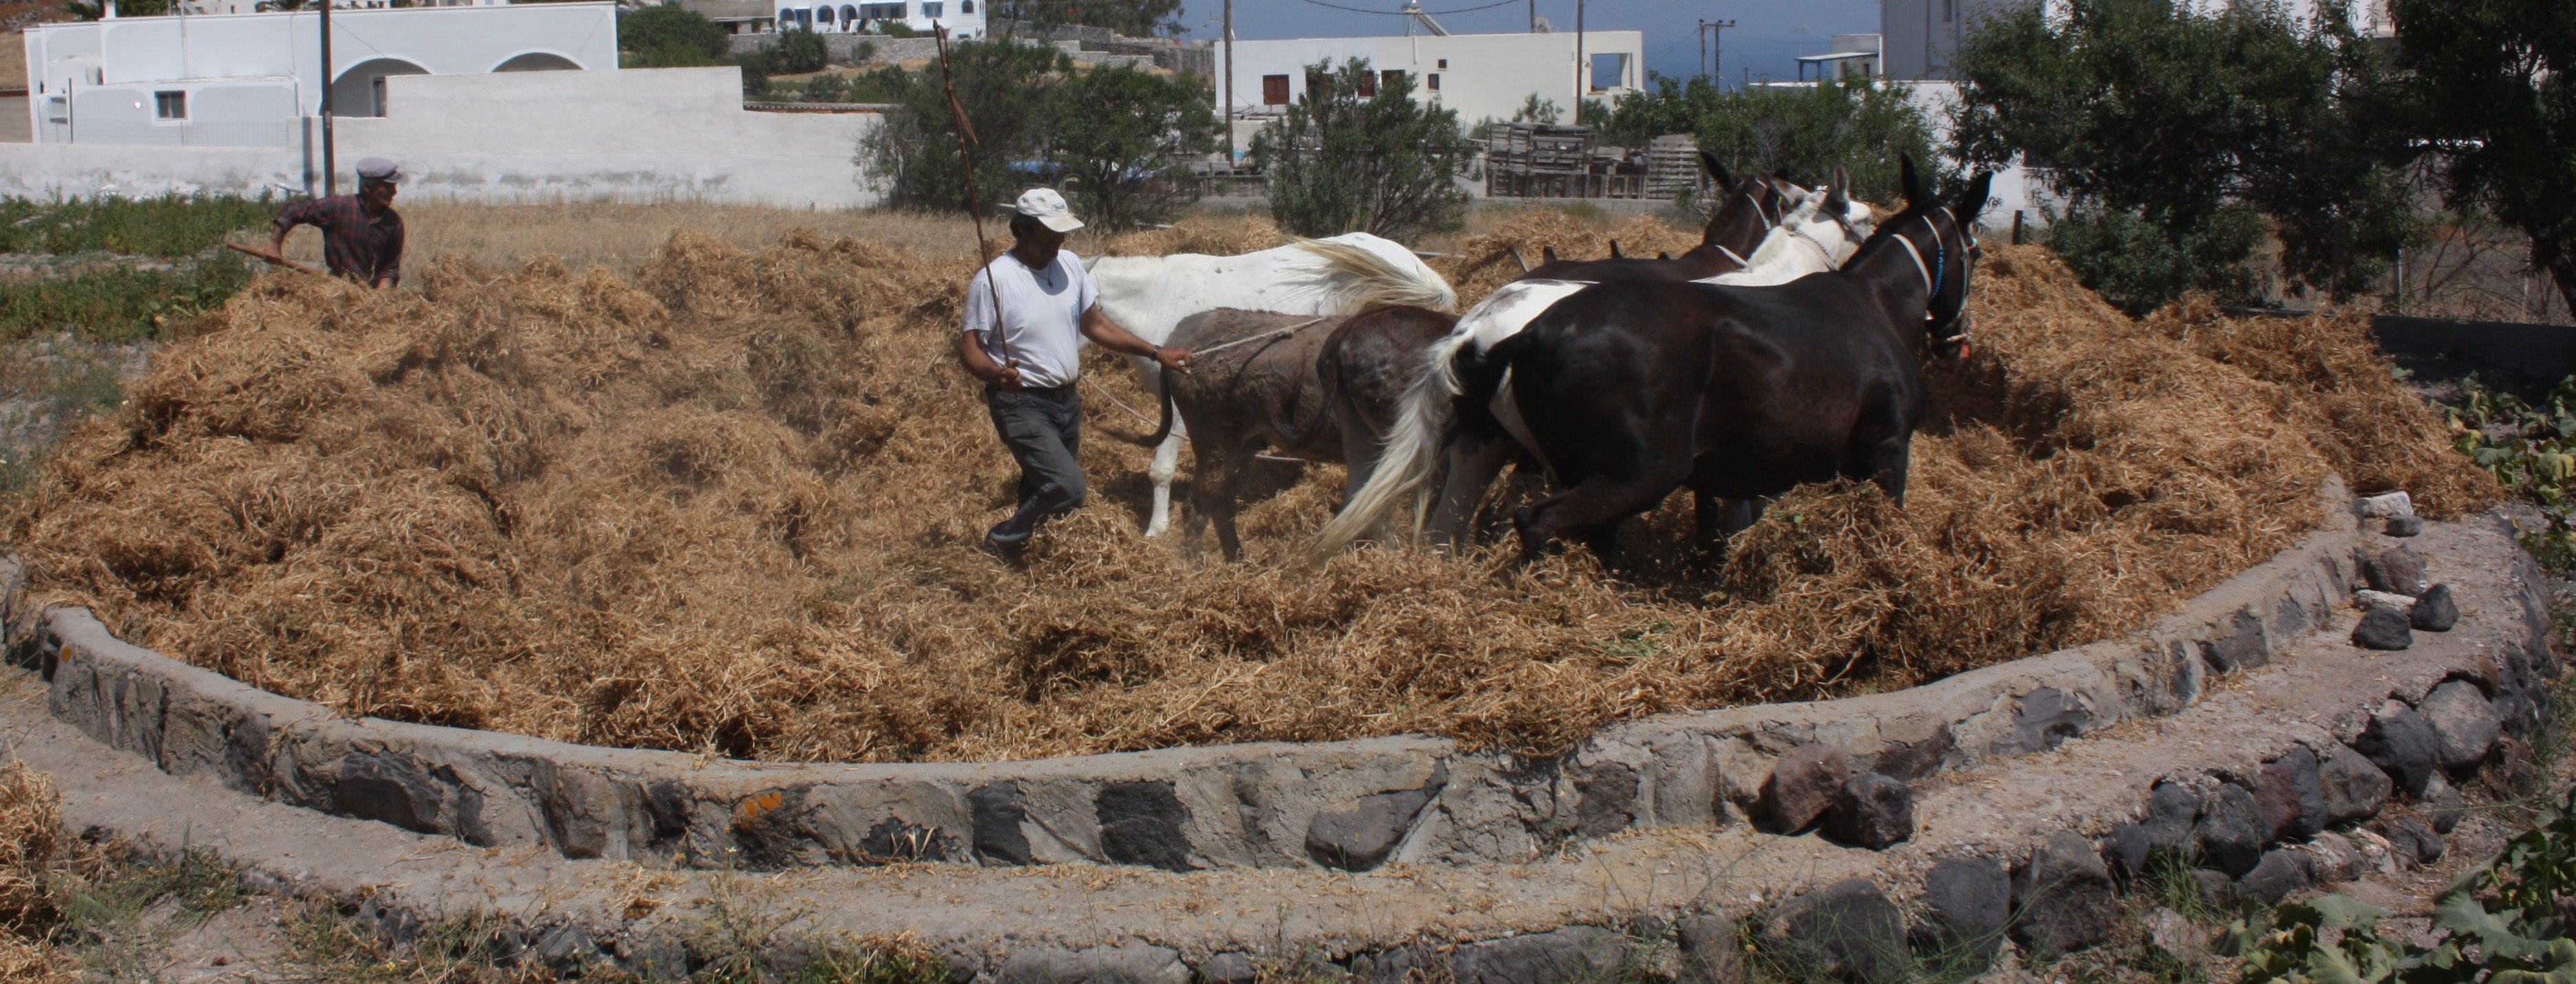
(1582, 85)
(1533, 8)
(330, 167)
(1228, 114)
(1717, 50)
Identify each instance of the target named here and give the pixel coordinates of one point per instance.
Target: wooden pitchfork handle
(274, 258)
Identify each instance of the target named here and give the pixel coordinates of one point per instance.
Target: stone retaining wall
(1352, 805)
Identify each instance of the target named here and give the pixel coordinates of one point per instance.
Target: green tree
(1134, 18)
(2149, 111)
(1127, 137)
(801, 50)
(1806, 132)
(2490, 87)
(1340, 162)
(1005, 89)
(670, 36)
(90, 10)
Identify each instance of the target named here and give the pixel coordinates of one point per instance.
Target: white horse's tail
(1411, 454)
(1371, 280)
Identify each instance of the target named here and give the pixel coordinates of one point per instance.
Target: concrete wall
(1486, 75)
(129, 58)
(638, 135)
(32, 170)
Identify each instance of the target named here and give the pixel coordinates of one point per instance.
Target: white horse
(1149, 295)
(1819, 235)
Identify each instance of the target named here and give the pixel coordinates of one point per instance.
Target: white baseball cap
(1044, 205)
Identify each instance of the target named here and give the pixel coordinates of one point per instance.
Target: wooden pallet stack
(1672, 166)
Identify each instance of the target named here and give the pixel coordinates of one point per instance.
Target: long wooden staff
(966, 142)
(274, 258)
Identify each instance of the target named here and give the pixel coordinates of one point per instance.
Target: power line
(1398, 13)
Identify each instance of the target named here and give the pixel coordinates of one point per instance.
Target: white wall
(637, 134)
(1488, 75)
(141, 54)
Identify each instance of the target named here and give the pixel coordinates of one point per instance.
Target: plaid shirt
(357, 245)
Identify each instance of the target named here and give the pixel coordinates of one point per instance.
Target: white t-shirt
(1042, 310)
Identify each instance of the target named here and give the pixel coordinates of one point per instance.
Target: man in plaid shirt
(362, 235)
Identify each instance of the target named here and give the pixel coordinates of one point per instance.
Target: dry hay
(31, 857)
(1484, 261)
(735, 506)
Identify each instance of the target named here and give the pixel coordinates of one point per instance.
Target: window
(966, 7)
(935, 8)
(881, 11)
(823, 15)
(1431, 82)
(1949, 11)
(1274, 90)
(1368, 86)
(1444, 64)
(1391, 80)
(169, 105)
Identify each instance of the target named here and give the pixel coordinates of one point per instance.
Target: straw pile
(31, 842)
(734, 506)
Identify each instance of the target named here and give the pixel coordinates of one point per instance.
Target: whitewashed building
(1921, 37)
(963, 18)
(255, 79)
(1480, 76)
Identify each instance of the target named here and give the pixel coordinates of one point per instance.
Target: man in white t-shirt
(1048, 306)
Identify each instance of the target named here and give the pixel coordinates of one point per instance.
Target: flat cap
(379, 169)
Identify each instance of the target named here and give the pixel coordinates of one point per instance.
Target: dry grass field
(709, 497)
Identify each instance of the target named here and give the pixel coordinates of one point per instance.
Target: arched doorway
(538, 61)
(360, 91)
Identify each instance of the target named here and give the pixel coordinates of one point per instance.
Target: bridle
(1937, 274)
(1823, 248)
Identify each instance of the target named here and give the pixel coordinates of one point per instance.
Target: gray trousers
(1043, 430)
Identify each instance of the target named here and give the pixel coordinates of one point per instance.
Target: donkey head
(1953, 256)
(1829, 218)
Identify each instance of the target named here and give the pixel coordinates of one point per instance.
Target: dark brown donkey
(1319, 389)
(1751, 208)
(1630, 390)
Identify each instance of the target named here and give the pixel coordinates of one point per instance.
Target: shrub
(800, 51)
(1806, 132)
(1339, 161)
(1128, 136)
(670, 36)
(1002, 86)
(2143, 266)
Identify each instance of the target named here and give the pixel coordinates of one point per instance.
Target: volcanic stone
(1802, 786)
(1966, 902)
(2444, 805)
(2230, 832)
(2279, 874)
(2396, 503)
(2176, 935)
(1871, 810)
(2403, 526)
(2402, 744)
(2214, 884)
(2064, 897)
(2287, 792)
(2382, 629)
(2354, 787)
(2464, 723)
(1844, 931)
(1229, 968)
(1710, 953)
(2396, 570)
(2171, 807)
(1564, 956)
(2125, 849)
(2368, 599)
(1129, 963)
(2332, 858)
(2435, 611)
(1142, 823)
(1359, 838)
(2411, 838)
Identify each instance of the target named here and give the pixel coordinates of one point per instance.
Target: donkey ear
(1837, 194)
(1547, 254)
(1716, 170)
(1973, 200)
(1614, 249)
(1915, 192)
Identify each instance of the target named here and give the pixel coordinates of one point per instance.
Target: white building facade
(1920, 38)
(1480, 76)
(255, 79)
(963, 18)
